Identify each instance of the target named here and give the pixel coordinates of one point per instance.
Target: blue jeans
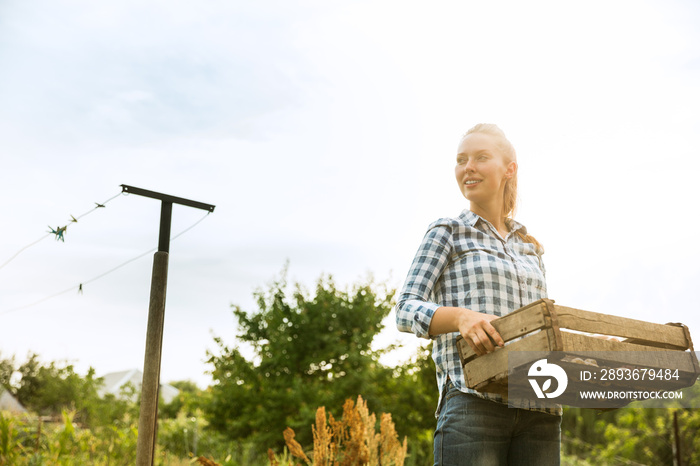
(474, 431)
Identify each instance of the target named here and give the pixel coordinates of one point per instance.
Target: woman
(468, 271)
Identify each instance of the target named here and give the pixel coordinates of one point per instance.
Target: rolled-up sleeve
(414, 308)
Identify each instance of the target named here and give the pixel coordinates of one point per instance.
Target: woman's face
(482, 170)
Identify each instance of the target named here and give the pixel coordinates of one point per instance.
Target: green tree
(309, 351)
(7, 368)
(413, 397)
(49, 389)
(635, 434)
(186, 402)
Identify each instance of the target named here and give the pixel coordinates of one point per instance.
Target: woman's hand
(474, 327)
(477, 331)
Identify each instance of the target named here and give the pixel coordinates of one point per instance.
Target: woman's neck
(493, 215)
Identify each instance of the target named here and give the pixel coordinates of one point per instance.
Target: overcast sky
(325, 134)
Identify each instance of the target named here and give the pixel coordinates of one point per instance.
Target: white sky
(324, 132)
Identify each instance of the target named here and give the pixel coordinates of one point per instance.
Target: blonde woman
(468, 271)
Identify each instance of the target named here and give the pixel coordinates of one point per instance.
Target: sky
(325, 134)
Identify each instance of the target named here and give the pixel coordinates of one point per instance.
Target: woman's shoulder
(449, 226)
(444, 222)
(465, 219)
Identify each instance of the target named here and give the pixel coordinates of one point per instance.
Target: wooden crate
(544, 326)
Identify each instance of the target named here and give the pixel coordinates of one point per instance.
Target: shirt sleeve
(414, 309)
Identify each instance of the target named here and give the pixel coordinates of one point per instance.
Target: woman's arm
(417, 314)
(414, 306)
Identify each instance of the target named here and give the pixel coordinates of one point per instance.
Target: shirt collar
(470, 218)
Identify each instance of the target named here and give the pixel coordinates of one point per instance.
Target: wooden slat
(521, 322)
(516, 324)
(628, 353)
(651, 334)
(495, 364)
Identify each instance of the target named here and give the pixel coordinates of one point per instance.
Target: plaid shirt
(464, 262)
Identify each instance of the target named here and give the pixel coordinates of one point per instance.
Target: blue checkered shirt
(464, 262)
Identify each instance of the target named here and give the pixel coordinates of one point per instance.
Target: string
(98, 206)
(80, 285)
(74, 220)
(21, 250)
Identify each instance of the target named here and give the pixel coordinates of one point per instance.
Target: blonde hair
(510, 193)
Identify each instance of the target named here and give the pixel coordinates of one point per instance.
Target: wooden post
(677, 458)
(150, 385)
(148, 414)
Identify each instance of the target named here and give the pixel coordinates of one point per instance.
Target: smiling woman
(468, 271)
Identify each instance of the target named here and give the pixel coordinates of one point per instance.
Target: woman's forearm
(474, 327)
(446, 320)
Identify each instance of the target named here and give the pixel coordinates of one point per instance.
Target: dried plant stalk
(371, 440)
(350, 441)
(392, 452)
(322, 439)
(204, 461)
(294, 447)
(271, 457)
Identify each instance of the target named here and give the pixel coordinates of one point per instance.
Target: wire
(26, 247)
(98, 206)
(74, 220)
(37, 302)
(190, 227)
(80, 285)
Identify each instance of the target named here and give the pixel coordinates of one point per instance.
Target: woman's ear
(511, 169)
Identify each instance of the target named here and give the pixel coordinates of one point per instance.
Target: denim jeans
(474, 431)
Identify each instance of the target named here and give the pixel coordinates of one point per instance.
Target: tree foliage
(309, 351)
(187, 401)
(48, 389)
(7, 368)
(634, 434)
